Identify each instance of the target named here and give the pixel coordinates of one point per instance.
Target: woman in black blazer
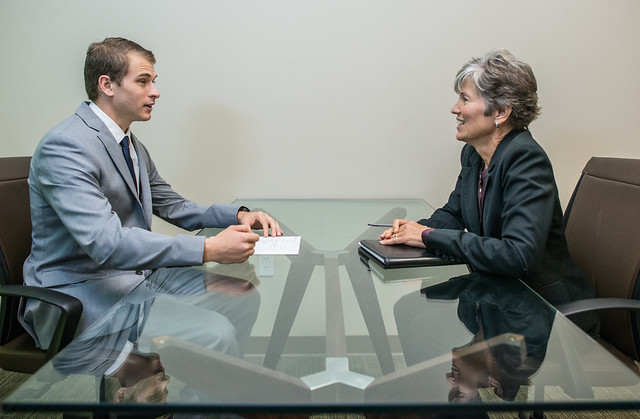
(504, 216)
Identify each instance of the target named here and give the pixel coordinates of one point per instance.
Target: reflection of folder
(427, 275)
(399, 255)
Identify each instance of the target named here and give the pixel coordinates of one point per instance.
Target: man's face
(134, 97)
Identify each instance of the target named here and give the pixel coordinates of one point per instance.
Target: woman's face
(468, 372)
(474, 127)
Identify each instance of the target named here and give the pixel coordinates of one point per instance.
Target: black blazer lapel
(470, 209)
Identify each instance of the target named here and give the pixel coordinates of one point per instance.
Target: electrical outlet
(265, 267)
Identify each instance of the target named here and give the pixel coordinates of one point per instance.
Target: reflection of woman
(470, 371)
(510, 326)
(504, 216)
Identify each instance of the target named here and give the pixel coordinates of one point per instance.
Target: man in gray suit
(94, 188)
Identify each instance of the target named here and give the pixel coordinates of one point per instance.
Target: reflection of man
(140, 380)
(198, 306)
(213, 310)
(94, 188)
(108, 350)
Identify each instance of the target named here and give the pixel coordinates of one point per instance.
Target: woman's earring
(497, 124)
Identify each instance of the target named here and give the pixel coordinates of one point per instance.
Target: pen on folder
(380, 225)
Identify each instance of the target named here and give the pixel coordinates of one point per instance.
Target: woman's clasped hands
(404, 232)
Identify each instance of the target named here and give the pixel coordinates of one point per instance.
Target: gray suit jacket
(91, 231)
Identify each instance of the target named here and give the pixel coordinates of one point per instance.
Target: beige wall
(342, 98)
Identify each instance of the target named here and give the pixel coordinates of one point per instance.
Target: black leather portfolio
(399, 255)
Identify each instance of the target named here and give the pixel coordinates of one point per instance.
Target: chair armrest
(597, 304)
(70, 311)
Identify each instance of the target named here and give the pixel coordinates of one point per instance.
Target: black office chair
(18, 352)
(602, 226)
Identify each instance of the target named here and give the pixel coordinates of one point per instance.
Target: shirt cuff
(425, 235)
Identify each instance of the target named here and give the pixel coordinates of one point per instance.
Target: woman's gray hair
(503, 81)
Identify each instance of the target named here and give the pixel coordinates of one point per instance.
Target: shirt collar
(113, 128)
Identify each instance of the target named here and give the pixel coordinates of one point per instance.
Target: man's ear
(105, 85)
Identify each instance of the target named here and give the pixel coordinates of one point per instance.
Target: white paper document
(281, 245)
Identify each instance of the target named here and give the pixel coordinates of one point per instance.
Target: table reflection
(509, 327)
(205, 307)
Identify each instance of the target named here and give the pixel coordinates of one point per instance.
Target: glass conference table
(321, 331)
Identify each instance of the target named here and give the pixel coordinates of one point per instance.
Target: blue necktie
(127, 157)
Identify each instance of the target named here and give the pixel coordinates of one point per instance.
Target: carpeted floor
(8, 382)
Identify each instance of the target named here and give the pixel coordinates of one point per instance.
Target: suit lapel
(145, 188)
(115, 152)
(112, 147)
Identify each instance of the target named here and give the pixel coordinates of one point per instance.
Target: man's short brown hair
(109, 58)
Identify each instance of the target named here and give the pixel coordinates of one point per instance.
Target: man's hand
(234, 244)
(260, 220)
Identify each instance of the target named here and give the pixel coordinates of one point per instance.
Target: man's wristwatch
(242, 209)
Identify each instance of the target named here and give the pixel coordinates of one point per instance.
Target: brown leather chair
(17, 349)
(602, 225)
